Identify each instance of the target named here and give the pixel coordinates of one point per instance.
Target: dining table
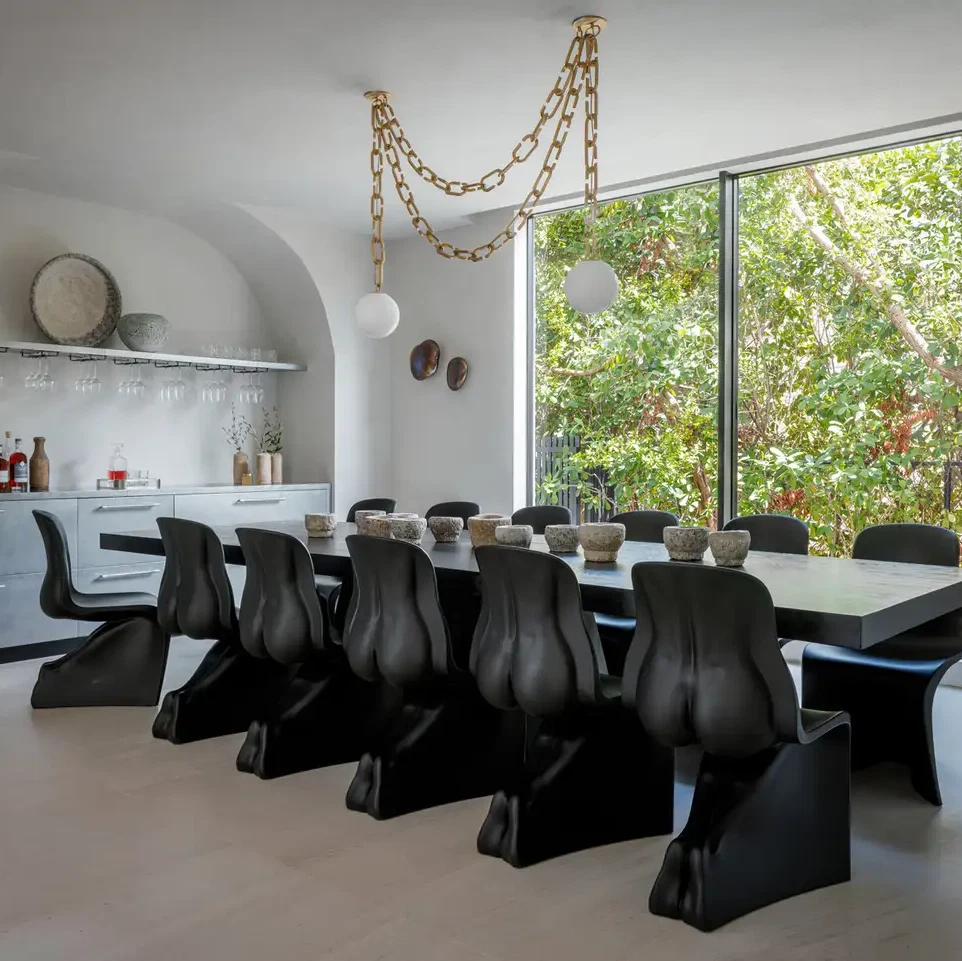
(830, 600)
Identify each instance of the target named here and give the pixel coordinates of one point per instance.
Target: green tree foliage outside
(850, 315)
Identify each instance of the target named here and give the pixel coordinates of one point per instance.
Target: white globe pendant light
(591, 286)
(377, 315)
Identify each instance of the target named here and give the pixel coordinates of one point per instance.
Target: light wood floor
(117, 846)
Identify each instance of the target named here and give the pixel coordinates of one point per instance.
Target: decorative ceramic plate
(75, 300)
(425, 359)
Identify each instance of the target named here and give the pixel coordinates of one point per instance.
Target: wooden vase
(241, 467)
(277, 468)
(263, 468)
(39, 466)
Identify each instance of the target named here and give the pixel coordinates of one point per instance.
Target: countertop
(157, 491)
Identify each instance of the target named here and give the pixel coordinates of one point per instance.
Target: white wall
(160, 267)
(456, 445)
(340, 267)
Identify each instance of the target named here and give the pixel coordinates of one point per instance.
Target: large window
(848, 332)
(850, 317)
(625, 402)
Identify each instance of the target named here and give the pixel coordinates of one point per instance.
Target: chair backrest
(908, 544)
(777, 533)
(195, 595)
(395, 629)
(57, 588)
(704, 666)
(386, 504)
(531, 647)
(462, 509)
(281, 615)
(541, 515)
(645, 525)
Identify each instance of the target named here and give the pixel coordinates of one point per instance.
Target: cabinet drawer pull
(128, 507)
(122, 575)
(260, 500)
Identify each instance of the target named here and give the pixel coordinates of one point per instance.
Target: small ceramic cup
(601, 542)
(514, 535)
(446, 530)
(562, 538)
(686, 543)
(729, 548)
(379, 526)
(481, 527)
(320, 525)
(410, 529)
(361, 518)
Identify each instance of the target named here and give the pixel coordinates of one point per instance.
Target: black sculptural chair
(434, 737)
(541, 515)
(776, 533)
(462, 509)
(122, 662)
(888, 689)
(386, 504)
(645, 525)
(618, 630)
(284, 618)
(770, 812)
(588, 774)
(230, 688)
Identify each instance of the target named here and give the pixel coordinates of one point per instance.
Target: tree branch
(567, 372)
(816, 180)
(900, 320)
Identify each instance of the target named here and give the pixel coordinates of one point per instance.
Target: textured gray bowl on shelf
(729, 548)
(481, 527)
(146, 332)
(562, 538)
(446, 530)
(601, 542)
(410, 529)
(686, 543)
(362, 517)
(514, 535)
(320, 525)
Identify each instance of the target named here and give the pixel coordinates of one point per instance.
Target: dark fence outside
(552, 461)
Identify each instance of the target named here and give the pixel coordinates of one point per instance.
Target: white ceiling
(159, 103)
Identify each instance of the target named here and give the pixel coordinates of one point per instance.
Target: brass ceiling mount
(589, 23)
(377, 96)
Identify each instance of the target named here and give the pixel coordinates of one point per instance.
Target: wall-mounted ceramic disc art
(425, 359)
(75, 300)
(457, 372)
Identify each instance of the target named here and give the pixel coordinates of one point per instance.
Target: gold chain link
(377, 199)
(580, 72)
(525, 147)
(591, 143)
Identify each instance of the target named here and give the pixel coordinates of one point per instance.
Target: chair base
(223, 696)
(593, 780)
(318, 721)
(760, 830)
(120, 664)
(430, 752)
(889, 702)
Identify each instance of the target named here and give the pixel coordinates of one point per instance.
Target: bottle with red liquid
(19, 472)
(5, 466)
(117, 467)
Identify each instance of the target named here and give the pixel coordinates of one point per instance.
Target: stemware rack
(81, 354)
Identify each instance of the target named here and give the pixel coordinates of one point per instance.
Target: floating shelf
(142, 357)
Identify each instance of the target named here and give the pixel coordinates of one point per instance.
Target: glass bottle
(19, 471)
(5, 466)
(117, 466)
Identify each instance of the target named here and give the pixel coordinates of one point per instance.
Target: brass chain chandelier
(591, 285)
